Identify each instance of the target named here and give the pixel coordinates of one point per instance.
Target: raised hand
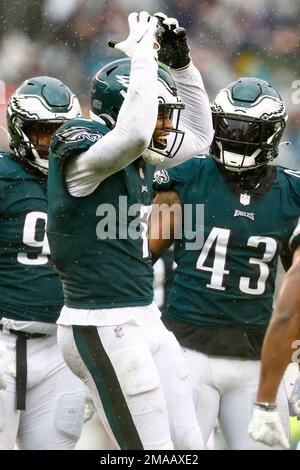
(174, 50)
(142, 35)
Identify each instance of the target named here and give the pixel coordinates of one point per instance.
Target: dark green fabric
(231, 298)
(30, 288)
(98, 273)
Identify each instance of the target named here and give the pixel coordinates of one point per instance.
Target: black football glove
(174, 50)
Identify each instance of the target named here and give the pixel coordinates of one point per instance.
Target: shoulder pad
(10, 168)
(76, 136)
(5, 155)
(294, 173)
(292, 183)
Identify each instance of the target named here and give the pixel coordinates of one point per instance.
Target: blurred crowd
(229, 38)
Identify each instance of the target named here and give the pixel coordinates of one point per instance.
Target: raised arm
(132, 132)
(195, 119)
(283, 331)
(265, 425)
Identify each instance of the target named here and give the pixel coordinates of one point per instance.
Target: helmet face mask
(249, 119)
(35, 111)
(109, 88)
(168, 123)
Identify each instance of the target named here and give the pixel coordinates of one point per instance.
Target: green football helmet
(249, 118)
(109, 88)
(40, 104)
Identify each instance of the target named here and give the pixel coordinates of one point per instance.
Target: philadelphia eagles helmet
(249, 118)
(109, 88)
(40, 104)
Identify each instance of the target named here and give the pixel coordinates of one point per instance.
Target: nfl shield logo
(245, 199)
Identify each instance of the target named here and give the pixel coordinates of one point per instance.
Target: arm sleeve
(129, 138)
(195, 119)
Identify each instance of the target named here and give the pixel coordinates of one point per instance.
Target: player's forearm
(281, 334)
(132, 133)
(138, 114)
(195, 119)
(276, 356)
(165, 218)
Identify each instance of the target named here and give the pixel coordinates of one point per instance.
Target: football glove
(174, 50)
(294, 399)
(265, 426)
(142, 35)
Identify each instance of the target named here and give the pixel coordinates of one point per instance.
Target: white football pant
(55, 399)
(137, 377)
(225, 389)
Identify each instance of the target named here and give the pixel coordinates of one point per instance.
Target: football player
(42, 402)
(221, 299)
(281, 346)
(100, 196)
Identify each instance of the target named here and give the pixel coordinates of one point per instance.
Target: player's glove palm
(142, 35)
(265, 426)
(174, 50)
(294, 400)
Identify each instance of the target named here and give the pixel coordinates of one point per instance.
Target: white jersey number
(269, 254)
(144, 215)
(218, 238)
(30, 239)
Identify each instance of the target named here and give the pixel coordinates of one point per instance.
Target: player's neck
(247, 180)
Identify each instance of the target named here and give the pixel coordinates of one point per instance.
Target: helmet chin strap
(41, 163)
(230, 160)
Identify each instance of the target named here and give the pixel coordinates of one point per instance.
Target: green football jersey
(30, 286)
(99, 242)
(228, 281)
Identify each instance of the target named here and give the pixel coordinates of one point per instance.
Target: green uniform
(97, 272)
(229, 282)
(30, 287)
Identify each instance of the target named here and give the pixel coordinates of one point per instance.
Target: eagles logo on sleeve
(161, 177)
(77, 134)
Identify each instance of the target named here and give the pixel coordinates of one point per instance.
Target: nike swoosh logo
(141, 37)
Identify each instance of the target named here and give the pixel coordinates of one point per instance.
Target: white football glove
(142, 35)
(294, 399)
(266, 427)
(5, 364)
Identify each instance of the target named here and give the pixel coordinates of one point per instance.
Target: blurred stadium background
(229, 38)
